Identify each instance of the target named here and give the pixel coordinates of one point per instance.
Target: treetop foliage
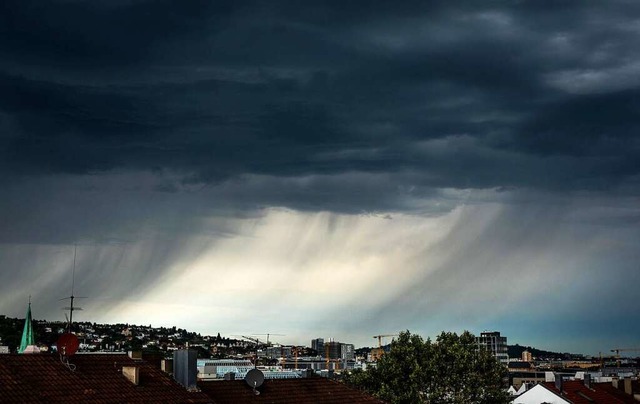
(450, 369)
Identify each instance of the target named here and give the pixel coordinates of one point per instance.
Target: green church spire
(27, 333)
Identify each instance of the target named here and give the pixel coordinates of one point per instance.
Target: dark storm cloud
(165, 137)
(72, 33)
(591, 125)
(475, 95)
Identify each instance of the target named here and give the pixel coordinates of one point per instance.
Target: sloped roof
(576, 392)
(519, 365)
(539, 393)
(279, 391)
(98, 378)
(619, 392)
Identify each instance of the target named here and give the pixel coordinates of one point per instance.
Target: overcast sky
(325, 169)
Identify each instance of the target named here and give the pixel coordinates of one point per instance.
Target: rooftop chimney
(132, 373)
(558, 382)
(185, 367)
(587, 380)
(135, 354)
(166, 365)
(628, 388)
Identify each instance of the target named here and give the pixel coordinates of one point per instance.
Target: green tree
(450, 370)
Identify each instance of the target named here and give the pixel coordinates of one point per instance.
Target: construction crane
(268, 334)
(254, 340)
(379, 337)
(618, 350)
(378, 352)
(296, 351)
(327, 355)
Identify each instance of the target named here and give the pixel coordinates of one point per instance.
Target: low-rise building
(578, 389)
(212, 369)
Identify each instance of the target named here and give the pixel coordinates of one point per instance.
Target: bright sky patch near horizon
(320, 169)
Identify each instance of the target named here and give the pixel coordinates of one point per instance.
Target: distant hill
(515, 351)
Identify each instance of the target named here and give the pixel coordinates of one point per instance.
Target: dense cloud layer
(162, 128)
(473, 96)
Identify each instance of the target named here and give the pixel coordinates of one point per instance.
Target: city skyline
(342, 170)
(43, 334)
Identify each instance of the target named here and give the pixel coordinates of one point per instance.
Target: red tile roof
(98, 378)
(279, 391)
(619, 392)
(576, 392)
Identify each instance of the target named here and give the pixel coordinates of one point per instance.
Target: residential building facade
(495, 343)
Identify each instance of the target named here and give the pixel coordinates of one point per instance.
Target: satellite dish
(254, 379)
(68, 344)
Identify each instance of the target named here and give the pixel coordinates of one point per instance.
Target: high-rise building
(348, 352)
(318, 345)
(333, 349)
(493, 342)
(526, 356)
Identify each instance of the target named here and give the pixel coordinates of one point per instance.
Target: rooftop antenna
(67, 345)
(71, 308)
(254, 379)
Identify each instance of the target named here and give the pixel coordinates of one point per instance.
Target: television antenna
(71, 307)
